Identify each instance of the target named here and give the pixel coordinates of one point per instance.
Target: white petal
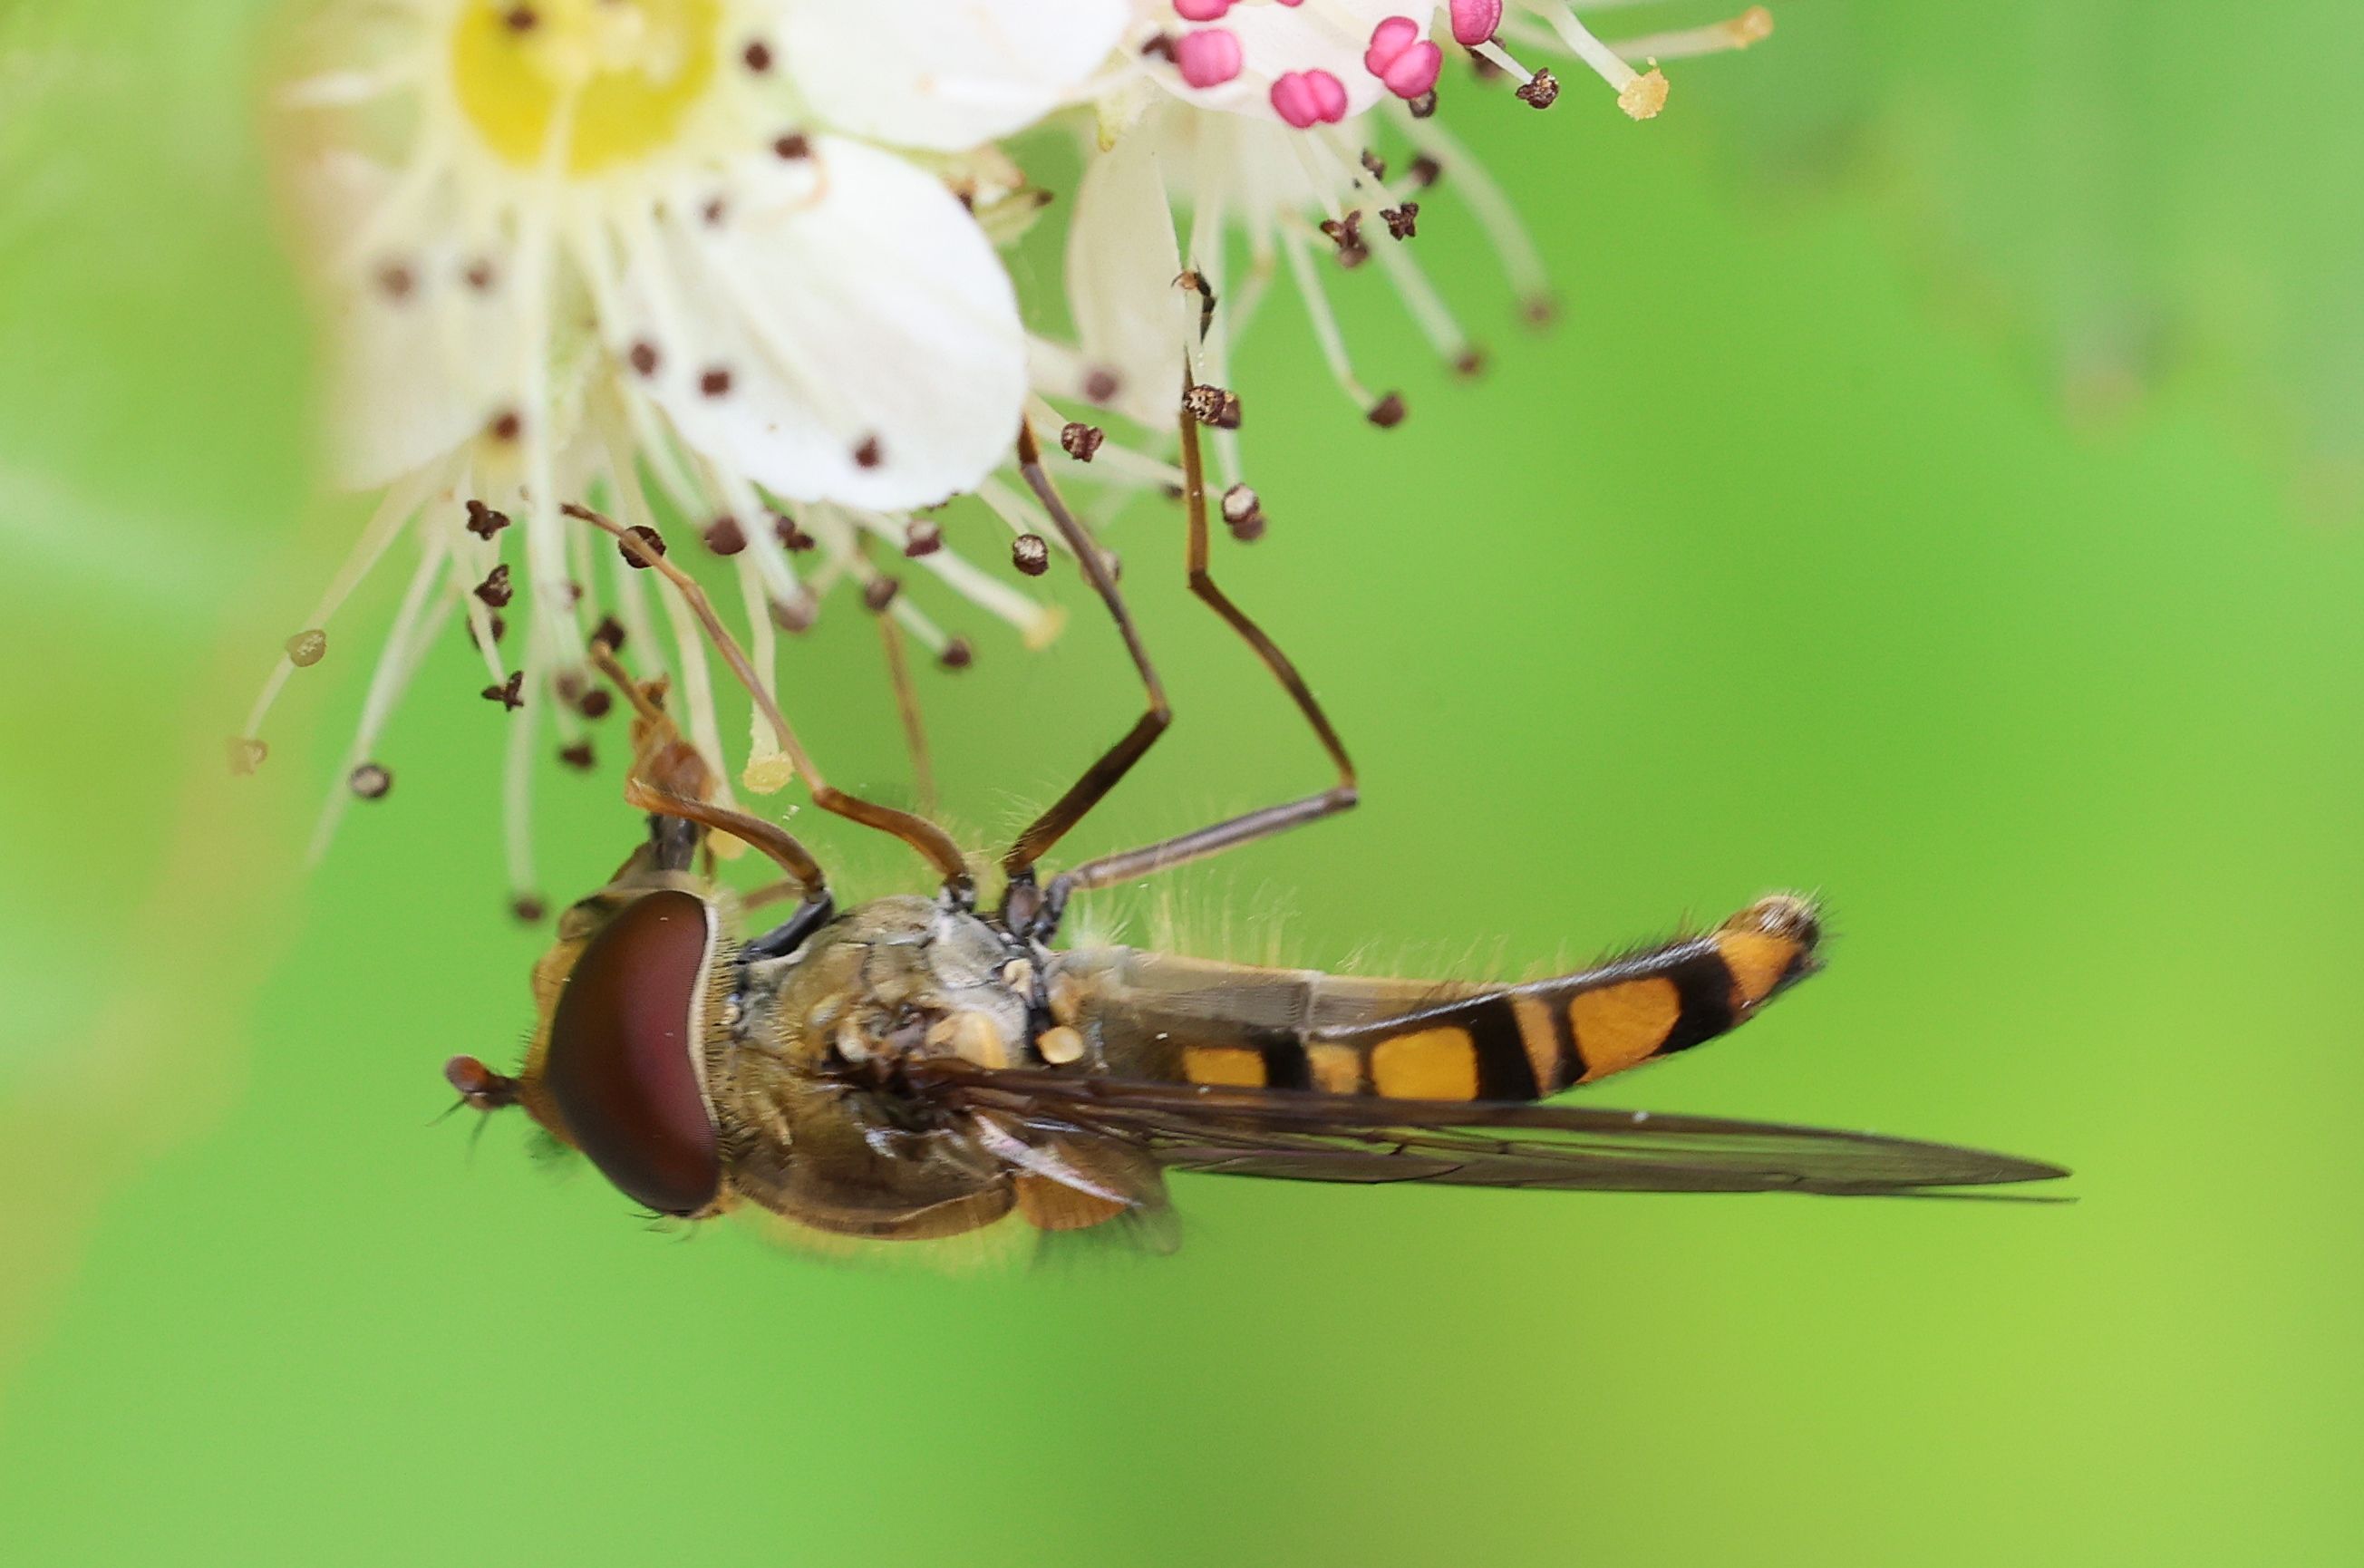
(1274, 39)
(1122, 263)
(849, 298)
(945, 74)
(418, 361)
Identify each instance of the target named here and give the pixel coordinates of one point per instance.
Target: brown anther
(1424, 105)
(1374, 165)
(715, 383)
(756, 56)
(509, 694)
(723, 536)
(649, 540)
(643, 356)
(246, 754)
(1243, 514)
(528, 908)
(396, 281)
(479, 275)
(867, 453)
(1423, 172)
(922, 537)
(496, 628)
(483, 522)
(1469, 362)
(1080, 440)
(1346, 234)
(1541, 92)
(1387, 412)
(1196, 282)
(369, 781)
(506, 426)
(304, 648)
(609, 631)
(578, 756)
(792, 615)
(494, 589)
(1030, 554)
(1158, 46)
(792, 146)
(783, 529)
(1403, 222)
(1541, 310)
(596, 703)
(1211, 405)
(957, 654)
(1101, 384)
(715, 210)
(880, 591)
(521, 18)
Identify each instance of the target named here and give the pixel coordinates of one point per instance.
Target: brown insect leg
(1114, 763)
(907, 706)
(1254, 825)
(932, 843)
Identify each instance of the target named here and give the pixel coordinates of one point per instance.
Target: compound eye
(622, 1065)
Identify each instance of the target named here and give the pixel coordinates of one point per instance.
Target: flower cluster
(733, 268)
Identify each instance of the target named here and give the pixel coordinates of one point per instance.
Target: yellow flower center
(588, 83)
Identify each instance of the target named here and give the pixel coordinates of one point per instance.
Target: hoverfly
(918, 1067)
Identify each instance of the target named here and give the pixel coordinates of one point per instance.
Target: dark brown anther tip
(1403, 222)
(396, 282)
(509, 694)
(867, 453)
(1470, 362)
(306, 647)
(609, 631)
(1243, 511)
(1540, 310)
(369, 781)
(1101, 384)
(1030, 554)
(792, 146)
(957, 654)
(506, 426)
(483, 522)
(521, 18)
(1541, 91)
(598, 702)
(1212, 405)
(1387, 412)
(1158, 46)
(1423, 172)
(1374, 165)
(1424, 105)
(1080, 440)
(579, 756)
(922, 537)
(880, 591)
(649, 538)
(784, 529)
(246, 754)
(528, 908)
(723, 536)
(756, 57)
(495, 590)
(643, 358)
(715, 382)
(792, 615)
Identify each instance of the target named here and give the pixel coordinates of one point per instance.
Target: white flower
(1282, 121)
(652, 251)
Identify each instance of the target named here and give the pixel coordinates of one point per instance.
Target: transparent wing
(1306, 1137)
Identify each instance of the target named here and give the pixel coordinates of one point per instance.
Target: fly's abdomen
(1183, 1020)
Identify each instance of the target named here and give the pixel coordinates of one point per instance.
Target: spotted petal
(842, 330)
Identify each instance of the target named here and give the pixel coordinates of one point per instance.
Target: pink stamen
(1474, 21)
(1208, 57)
(1202, 10)
(1398, 57)
(1305, 99)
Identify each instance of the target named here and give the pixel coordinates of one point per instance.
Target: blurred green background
(1936, 494)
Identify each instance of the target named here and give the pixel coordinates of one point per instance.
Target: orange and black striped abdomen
(1525, 1041)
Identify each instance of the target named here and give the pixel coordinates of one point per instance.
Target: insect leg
(1118, 760)
(932, 843)
(1254, 825)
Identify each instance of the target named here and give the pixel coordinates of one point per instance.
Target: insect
(918, 1067)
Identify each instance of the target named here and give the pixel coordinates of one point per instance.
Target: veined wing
(1313, 1137)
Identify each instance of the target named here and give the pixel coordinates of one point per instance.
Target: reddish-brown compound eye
(622, 1066)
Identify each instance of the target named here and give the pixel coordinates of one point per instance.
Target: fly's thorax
(893, 979)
